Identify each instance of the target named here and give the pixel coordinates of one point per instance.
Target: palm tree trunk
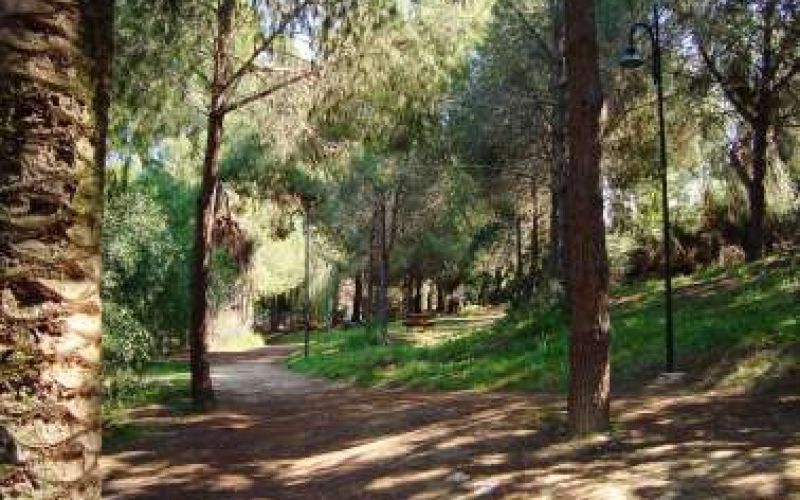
(54, 97)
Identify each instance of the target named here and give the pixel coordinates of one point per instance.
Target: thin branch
(244, 101)
(264, 45)
(735, 100)
(544, 47)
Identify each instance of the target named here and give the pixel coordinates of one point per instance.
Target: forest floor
(281, 435)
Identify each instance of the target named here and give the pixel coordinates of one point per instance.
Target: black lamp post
(631, 58)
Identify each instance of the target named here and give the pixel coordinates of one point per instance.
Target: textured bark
(54, 80)
(764, 111)
(202, 391)
(766, 95)
(588, 404)
(754, 244)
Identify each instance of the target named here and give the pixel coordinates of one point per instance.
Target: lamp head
(630, 58)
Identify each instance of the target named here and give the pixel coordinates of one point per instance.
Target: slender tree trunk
(54, 97)
(202, 391)
(358, 297)
(371, 275)
(440, 298)
(429, 300)
(383, 283)
(333, 297)
(406, 293)
(418, 296)
(498, 284)
(306, 277)
(535, 252)
(588, 404)
(518, 232)
(558, 170)
(274, 314)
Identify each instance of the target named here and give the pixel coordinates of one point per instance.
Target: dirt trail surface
(279, 435)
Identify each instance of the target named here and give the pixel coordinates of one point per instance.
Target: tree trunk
(518, 232)
(440, 299)
(558, 170)
(202, 391)
(371, 275)
(274, 314)
(588, 404)
(306, 278)
(383, 279)
(407, 293)
(418, 296)
(534, 267)
(54, 97)
(754, 243)
(764, 111)
(333, 298)
(358, 297)
(498, 284)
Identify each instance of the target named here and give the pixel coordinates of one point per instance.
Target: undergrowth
(155, 383)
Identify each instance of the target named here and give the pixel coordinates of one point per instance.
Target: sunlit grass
(718, 312)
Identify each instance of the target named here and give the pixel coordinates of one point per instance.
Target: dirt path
(258, 376)
(279, 435)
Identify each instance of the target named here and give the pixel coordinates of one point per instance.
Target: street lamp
(631, 58)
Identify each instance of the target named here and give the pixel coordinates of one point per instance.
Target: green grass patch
(156, 383)
(719, 312)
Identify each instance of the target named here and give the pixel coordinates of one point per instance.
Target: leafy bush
(147, 241)
(125, 342)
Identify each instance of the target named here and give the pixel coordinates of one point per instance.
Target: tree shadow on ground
(348, 443)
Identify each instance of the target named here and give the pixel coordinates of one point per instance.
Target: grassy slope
(718, 314)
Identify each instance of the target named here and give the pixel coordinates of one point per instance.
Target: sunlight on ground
(447, 328)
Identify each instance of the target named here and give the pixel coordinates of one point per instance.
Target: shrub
(126, 342)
